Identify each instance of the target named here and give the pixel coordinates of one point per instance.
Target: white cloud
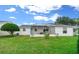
(33, 13)
(41, 18)
(28, 23)
(54, 17)
(11, 10)
(12, 17)
(42, 9)
(27, 12)
(76, 7)
(43, 6)
(37, 6)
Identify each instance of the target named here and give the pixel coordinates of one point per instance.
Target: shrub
(46, 35)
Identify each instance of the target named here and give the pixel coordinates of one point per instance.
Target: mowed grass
(38, 45)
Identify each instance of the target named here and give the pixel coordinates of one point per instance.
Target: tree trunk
(11, 32)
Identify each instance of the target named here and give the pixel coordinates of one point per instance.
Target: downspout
(30, 31)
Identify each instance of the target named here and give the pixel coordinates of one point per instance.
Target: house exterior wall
(59, 31)
(39, 30)
(26, 32)
(53, 31)
(70, 31)
(3, 33)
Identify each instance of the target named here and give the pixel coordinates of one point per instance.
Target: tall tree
(65, 20)
(77, 21)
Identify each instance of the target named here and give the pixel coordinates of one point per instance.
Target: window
(35, 29)
(64, 30)
(45, 30)
(24, 29)
(74, 30)
(17, 34)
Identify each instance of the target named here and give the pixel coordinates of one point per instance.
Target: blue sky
(36, 15)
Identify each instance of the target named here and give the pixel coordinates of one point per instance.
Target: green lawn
(40, 45)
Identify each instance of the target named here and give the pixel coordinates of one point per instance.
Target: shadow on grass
(12, 36)
(8, 36)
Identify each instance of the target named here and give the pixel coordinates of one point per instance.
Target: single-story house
(52, 30)
(40, 30)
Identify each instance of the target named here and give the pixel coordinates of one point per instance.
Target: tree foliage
(77, 21)
(65, 20)
(10, 27)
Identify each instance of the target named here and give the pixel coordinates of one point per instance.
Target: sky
(35, 12)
